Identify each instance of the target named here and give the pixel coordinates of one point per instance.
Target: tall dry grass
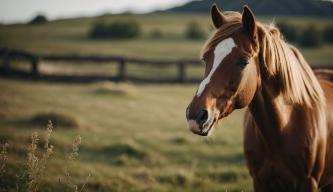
(35, 165)
(3, 159)
(67, 179)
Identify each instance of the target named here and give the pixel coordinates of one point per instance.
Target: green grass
(134, 137)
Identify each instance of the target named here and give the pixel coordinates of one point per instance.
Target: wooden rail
(9, 55)
(122, 62)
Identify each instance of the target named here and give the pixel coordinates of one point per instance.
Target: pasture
(134, 136)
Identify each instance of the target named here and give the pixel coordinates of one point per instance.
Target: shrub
(120, 30)
(310, 37)
(289, 31)
(39, 19)
(194, 31)
(156, 34)
(328, 33)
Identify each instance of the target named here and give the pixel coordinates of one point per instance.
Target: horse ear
(249, 23)
(217, 16)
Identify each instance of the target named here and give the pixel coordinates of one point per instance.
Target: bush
(194, 31)
(328, 33)
(39, 19)
(311, 37)
(289, 31)
(120, 30)
(156, 34)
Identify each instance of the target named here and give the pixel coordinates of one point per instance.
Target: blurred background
(115, 77)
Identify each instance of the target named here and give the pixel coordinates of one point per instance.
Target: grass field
(134, 137)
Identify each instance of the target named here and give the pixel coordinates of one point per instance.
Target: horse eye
(203, 61)
(243, 62)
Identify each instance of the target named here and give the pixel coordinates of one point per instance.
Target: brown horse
(288, 127)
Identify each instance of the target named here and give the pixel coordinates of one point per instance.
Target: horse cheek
(246, 91)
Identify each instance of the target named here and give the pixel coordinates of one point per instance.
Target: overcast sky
(24, 10)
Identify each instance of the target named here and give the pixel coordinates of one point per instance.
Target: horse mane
(278, 60)
(283, 61)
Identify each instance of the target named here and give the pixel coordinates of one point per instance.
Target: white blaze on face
(222, 49)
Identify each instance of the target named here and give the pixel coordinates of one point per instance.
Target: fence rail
(122, 62)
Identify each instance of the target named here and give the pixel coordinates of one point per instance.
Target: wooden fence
(8, 55)
(122, 62)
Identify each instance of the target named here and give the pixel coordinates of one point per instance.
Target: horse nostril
(202, 117)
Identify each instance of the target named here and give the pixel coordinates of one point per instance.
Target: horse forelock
(225, 31)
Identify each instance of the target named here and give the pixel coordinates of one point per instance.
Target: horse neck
(292, 89)
(270, 113)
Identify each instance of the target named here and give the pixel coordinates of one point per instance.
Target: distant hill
(263, 7)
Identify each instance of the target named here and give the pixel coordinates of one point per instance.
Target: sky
(12, 11)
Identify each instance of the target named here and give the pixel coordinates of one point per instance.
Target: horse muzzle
(203, 123)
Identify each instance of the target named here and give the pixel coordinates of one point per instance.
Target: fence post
(122, 75)
(6, 63)
(181, 72)
(34, 67)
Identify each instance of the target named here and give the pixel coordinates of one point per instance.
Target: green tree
(328, 33)
(311, 37)
(115, 30)
(289, 31)
(39, 19)
(194, 31)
